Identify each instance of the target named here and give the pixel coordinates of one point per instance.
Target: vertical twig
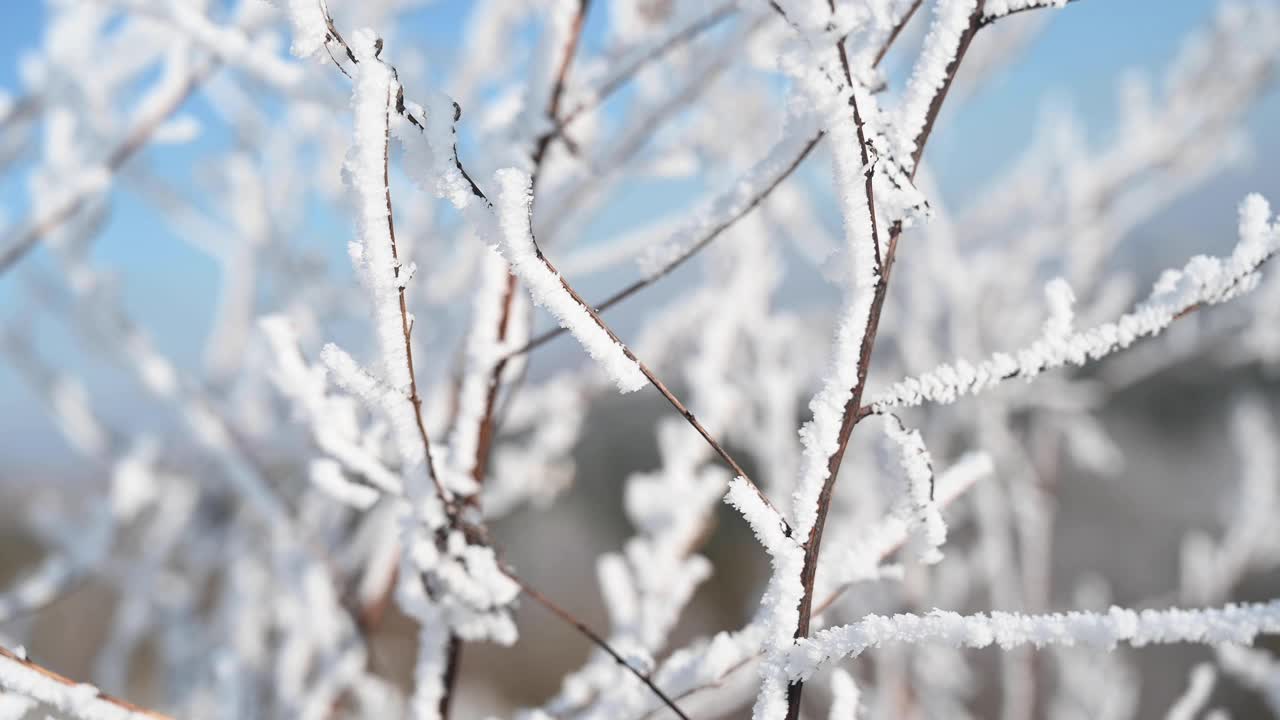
(488, 422)
(852, 410)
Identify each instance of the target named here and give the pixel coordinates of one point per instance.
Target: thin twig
(621, 78)
(718, 230)
(852, 410)
(599, 642)
(557, 88)
(488, 422)
(688, 253)
(407, 326)
(661, 387)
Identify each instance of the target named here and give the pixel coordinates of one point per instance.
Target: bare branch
(599, 642)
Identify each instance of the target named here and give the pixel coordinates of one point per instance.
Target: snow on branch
(768, 526)
(375, 253)
(996, 9)
(548, 290)
(780, 606)
(951, 20)
(1238, 624)
(1202, 281)
(820, 436)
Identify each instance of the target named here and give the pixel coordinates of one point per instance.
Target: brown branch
(716, 231)
(453, 662)
(557, 89)
(49, 675)
(621, 78)
(661, 387)
(852, 411)
(599, 642)
(488, 422)
(405, 324)
(692, 250)
(645, 370)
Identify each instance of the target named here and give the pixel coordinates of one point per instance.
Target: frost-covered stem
(853, 409)
(538, 155)
(406, 326)
(599, 642)
(1231, 624)
(948, 492)
(935, 106)
(488, 422)
(551, 289)
(729, 222)
(655, 381)
(135, 141)
(20, 675)
(715, 232)
(1020, 6)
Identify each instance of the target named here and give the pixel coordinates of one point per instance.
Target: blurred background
(1169, 417)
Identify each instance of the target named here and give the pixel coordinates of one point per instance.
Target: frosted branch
(1238, 624)
(76, 700)
(1203, 281)
(547, 288)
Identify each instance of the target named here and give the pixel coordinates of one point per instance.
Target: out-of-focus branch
(622, 77)
(133, 142)
(24, 677)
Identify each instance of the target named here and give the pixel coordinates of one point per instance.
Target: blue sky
(168, 286)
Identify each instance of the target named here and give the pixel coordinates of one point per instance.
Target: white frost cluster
(862, 558)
